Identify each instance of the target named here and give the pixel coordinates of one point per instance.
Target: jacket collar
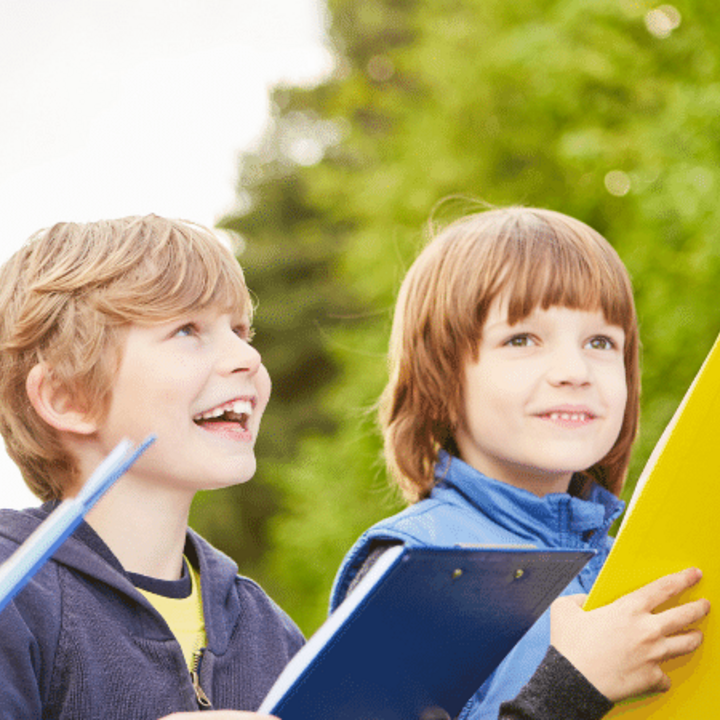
(549, 518)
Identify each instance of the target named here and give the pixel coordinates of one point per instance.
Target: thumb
(569, 600)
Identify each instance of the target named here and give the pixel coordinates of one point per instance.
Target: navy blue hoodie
(79, 641)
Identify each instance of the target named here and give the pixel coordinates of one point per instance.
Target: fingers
(678, 645)
(677, 618)
(665, 588)
(620, 647)
(662, 684)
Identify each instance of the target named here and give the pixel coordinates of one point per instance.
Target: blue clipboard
(420, 633)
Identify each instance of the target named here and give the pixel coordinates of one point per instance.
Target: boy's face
(545, 399)
(198, 385)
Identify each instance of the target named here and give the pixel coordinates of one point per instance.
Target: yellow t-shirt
(184, 616)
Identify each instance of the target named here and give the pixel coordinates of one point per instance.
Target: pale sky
(117, 108)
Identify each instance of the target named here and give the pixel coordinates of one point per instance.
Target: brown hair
(538, 258)
(65, 298)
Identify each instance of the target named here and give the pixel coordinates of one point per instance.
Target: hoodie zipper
(202, 699)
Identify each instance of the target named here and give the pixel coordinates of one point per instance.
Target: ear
(55, 403)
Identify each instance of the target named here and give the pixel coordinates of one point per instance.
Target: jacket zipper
(202, 699)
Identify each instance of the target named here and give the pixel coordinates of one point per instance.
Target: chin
(234, 476)
(245, 475)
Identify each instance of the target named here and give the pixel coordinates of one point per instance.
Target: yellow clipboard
(672, 523)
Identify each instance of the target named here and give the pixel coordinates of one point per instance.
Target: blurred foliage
(605, 110)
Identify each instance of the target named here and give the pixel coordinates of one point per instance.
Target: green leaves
(595, 109)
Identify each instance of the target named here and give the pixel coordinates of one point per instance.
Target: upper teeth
(239, 407)
(568, 416)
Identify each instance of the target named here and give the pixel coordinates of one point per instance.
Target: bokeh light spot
(617, 183)
(662, 20)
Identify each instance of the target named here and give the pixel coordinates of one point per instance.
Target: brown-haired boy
(509, 417)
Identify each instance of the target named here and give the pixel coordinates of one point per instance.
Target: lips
(568, 415)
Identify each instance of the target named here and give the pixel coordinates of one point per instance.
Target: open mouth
(236, 411)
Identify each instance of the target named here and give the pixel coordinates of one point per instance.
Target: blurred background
(606, 110)
(123, 108)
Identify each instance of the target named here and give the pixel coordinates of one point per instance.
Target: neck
(145, 526)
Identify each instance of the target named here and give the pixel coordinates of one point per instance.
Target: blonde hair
(537, 258)
(65, 298)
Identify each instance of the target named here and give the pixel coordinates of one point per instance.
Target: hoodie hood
(85, 552)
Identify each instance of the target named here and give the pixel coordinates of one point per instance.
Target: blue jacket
(468, 507)
(80, 642)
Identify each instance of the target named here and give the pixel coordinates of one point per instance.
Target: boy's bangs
(176, 280)
(550, 271)
(196, 285)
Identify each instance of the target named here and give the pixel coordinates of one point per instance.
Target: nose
(569, 367)
(238, 355)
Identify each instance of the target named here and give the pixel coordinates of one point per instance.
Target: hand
(619, 647)
(218, 715)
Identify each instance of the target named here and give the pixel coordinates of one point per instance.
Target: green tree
(605, 110)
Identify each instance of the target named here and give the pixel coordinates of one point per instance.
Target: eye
(601, 342)
(520, 340)
(245, 332)
(187, 330)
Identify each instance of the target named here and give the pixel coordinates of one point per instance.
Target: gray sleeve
(376, 550)
(557, 690)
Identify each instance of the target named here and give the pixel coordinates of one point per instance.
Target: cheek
(617, 400)
(263, 384)
(487, 410)
(621, 390)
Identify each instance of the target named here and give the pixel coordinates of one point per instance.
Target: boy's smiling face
(199, 385)
(545, 399)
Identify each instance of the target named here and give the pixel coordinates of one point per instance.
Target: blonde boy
(117, 329)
